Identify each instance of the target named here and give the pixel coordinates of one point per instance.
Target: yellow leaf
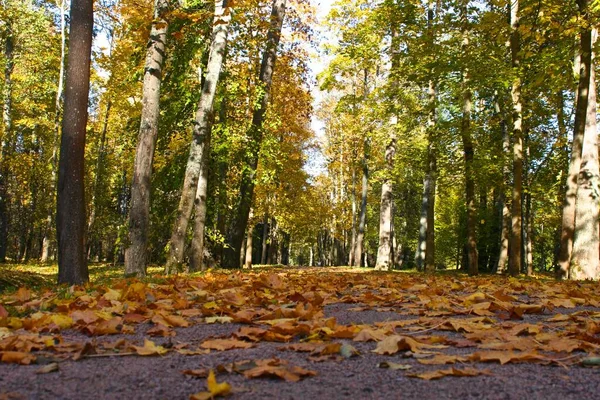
(214, 388)
(150, 349)
(63, 321)
(112, 294)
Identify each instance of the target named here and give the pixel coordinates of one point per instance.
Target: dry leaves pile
(438, 320)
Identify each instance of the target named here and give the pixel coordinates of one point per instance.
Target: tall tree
(7, 130)
(254, 137)
(585, 263)
(581, 111)
(469, 151)
(136, 254)
(426, 245)
(70, 216)
(195, 183)
(516, 237)
(384, 252)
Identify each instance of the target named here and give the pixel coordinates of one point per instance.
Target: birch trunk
(136, 254)
(581, 110)
(354, 209)
(254, 136)
(248, 259)
(585, 260)
(70, 216)
(384, 252)
(467, 139)
(195, 188)
(516, 237)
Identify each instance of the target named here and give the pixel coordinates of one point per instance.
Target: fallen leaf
(46, 369)
(440, 359)
(396, 343)
(215, 389)
(394, 366)
(504, 357)
(150, 349)
(16, 357)
(279, 369)
(225, 344)
(220, 320)
(450, 372)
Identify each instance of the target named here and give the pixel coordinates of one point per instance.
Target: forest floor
(296, 333)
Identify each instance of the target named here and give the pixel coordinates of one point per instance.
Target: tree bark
(585, 259)
(504, 210)
(249, 239)
(194, 189)
(362, 221)
(384, 252)
(516, 237)
(263, 242)
(467, 139)
(254, 136)
(354, 209)
(136, 254)
(6, 144)
(581, 110)
(70, 216)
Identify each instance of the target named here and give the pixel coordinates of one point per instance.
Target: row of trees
(185, 134)
(448, 135)
(166, 86)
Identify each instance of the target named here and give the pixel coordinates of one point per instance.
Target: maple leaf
(16, 357)
(225, 344)
(277, 368)
(396, 343)
(149, 349)
(504, 357)
(450, 372)
(215, 389)
(440, 359)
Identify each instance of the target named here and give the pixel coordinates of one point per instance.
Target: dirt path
(161, 377)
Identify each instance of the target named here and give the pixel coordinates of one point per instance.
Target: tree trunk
(254, 136)
(70, 216)
(248, 259)
(47, 240)
(263, 242)
(197, 164)
(471, 245)
(6, 144)
(585, 259)
(581, 110)
(503, 204)
(354, 215)
(97, 181)
(136, 255)
(360, 237)
(384, 252)
(200, 208)
(516, 237)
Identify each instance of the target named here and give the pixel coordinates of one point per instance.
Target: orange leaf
(225, 344)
